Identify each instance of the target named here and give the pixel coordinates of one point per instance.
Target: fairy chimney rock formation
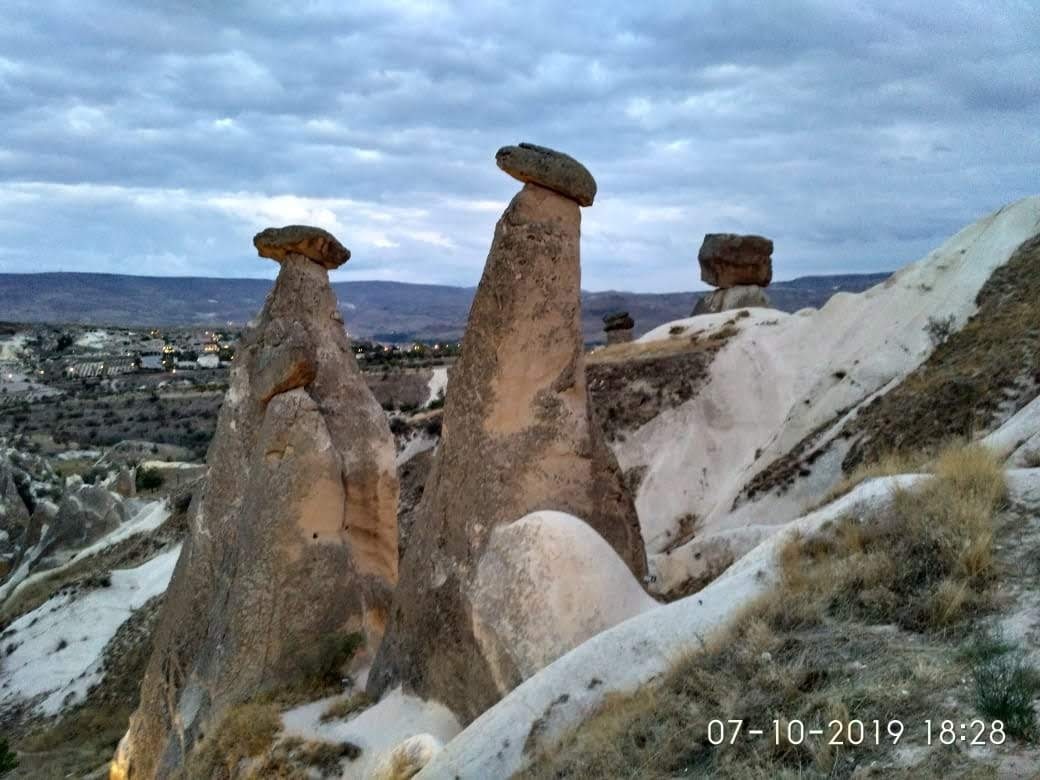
(618, 327)
(740, 266)
(518, 436)
(294, 540)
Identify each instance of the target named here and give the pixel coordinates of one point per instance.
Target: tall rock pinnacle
(295, 536)
(518, 437)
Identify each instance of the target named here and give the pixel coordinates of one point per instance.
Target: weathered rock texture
(294, 536)
(310, 242)
(517, 437)
(557, 171)
(729, 260)
(742, 297)
(85, 514)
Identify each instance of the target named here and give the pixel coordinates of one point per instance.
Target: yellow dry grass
(926, 564)
(688, 340)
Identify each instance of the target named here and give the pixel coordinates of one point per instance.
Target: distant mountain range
(385, 311)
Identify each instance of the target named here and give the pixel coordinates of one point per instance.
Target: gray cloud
(157, 137)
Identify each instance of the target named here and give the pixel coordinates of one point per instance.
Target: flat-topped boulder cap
(619, 320)
(311, 242)
(551, 169)
(732, 260)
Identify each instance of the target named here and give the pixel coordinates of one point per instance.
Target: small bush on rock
(149, 479)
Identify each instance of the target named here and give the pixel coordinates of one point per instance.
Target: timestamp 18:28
(858, 732)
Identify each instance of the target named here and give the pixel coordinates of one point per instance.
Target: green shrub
(149, 479)
(1005, 687)
(8, 758)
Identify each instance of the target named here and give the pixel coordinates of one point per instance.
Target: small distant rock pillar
(741, 267)
(618, 327)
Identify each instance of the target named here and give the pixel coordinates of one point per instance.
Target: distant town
(38, 361)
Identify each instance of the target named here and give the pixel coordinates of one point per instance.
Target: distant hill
(387, 311)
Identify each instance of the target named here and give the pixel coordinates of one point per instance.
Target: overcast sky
(156, 137)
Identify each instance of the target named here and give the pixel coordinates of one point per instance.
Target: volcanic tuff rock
(618, 327)
(294, 537)
(518, 436)
(14, 513)
(729, 260)
(311, 242)
(557, 171)
(741, 297)
(85, 515)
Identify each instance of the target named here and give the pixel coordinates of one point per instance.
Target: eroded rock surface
(728, 298)
(517, 437)
(294, 537)
(730, 260)
(548, 168)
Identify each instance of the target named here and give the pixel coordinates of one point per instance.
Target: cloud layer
(157, 137)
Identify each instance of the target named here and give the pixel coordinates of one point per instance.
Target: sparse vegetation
(939, 329)
(244, 732)
(293, 758)
(341, 709)
(887, 465)
(1005, 688)
(319, 670)
(149, 479)
(8, 758)
(821, 646)
(977, 376)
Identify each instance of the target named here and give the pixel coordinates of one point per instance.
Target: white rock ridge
(784, 376)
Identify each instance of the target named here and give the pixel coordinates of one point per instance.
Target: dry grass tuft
(677, 343)
(811, 649)
(341, 709)
(245, 731)
(887, 465)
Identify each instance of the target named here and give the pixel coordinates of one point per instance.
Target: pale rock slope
(397, 719)
(1018, 439)
(625, 657)
(782, 377)
(438, 384)
(54, 653)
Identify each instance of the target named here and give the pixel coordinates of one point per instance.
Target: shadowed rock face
(295, 536)
(517, 437)
(742, 297)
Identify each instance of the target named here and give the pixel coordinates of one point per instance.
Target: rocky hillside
(782, 521)
(386, 311)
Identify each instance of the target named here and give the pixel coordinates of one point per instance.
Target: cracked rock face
(518, 436)
(295, 535)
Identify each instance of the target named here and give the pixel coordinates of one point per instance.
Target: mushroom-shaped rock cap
(311, 242)
(618, 320)
(555, 170)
